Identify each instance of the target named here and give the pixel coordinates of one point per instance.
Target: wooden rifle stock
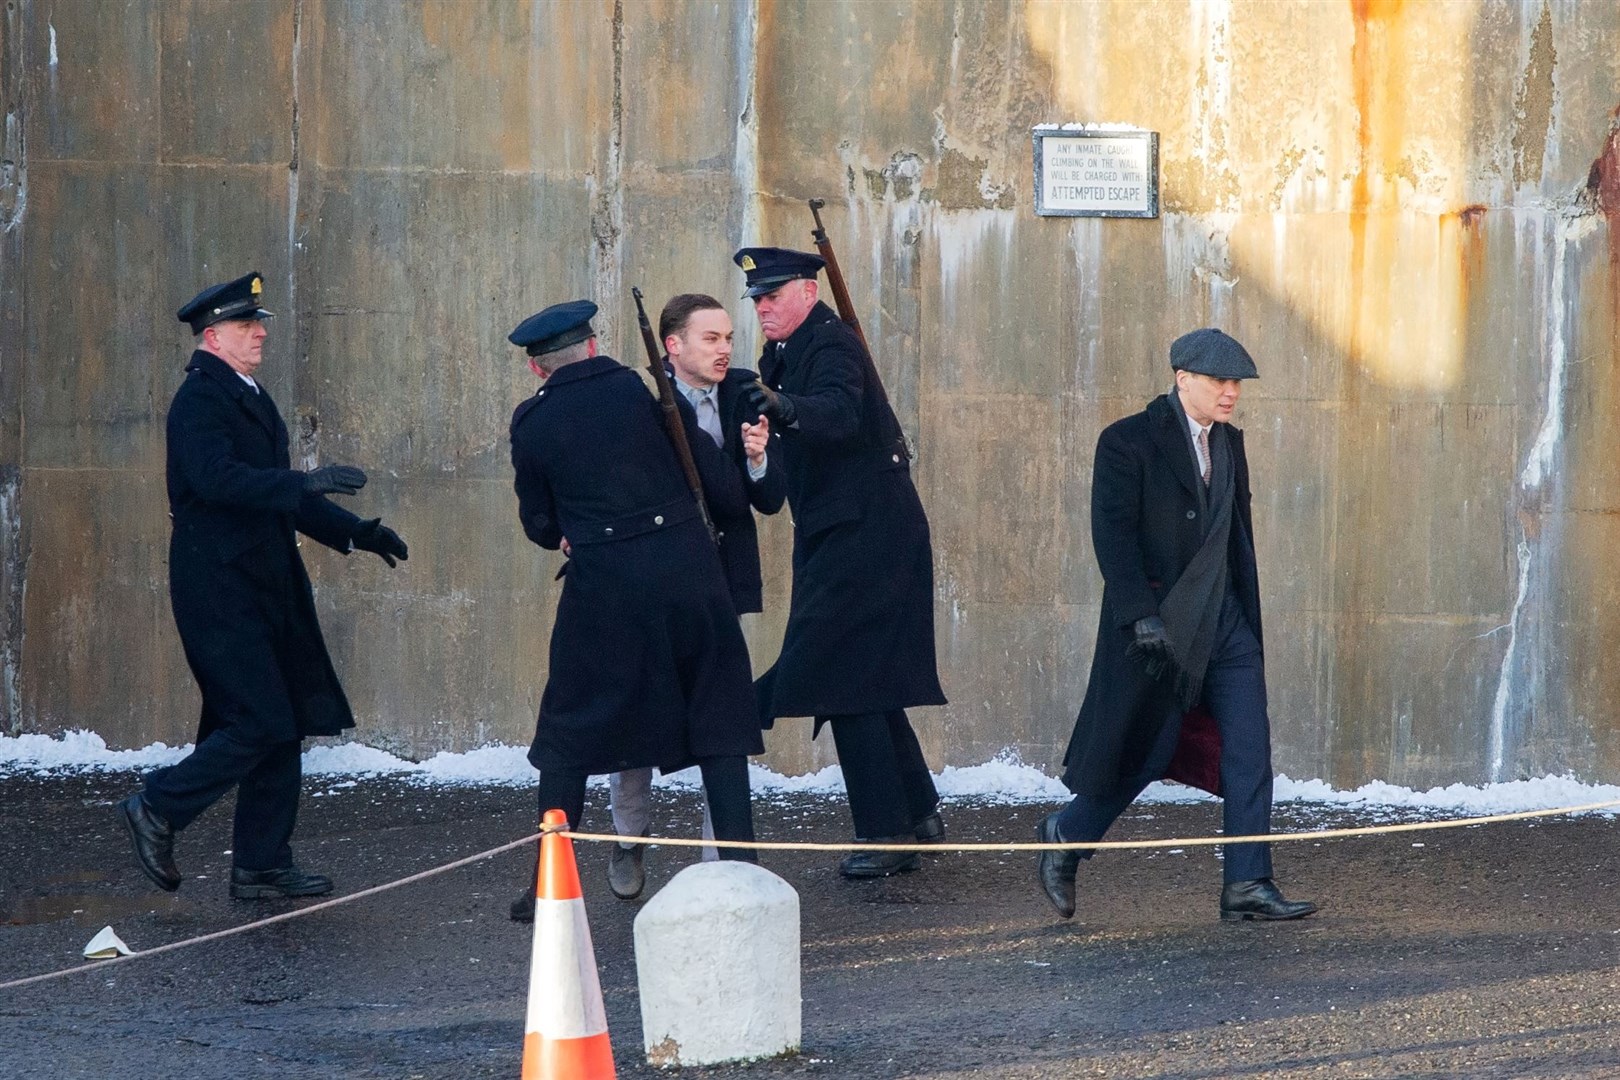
(672, 416)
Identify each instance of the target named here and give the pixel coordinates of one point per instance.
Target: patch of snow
(1005, 778)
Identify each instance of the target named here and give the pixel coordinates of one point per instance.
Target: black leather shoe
(626, 875)
(1260, 899)
(153, 840)
(1056, 869)
(275, 884)
(931, 830)
(876, 864)
(522, 909)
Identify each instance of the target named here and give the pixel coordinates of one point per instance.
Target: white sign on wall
(1096, 171)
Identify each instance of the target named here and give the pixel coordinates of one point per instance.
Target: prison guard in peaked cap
(237, 299)
(557, 327)
(768, 269)
(1213, 353)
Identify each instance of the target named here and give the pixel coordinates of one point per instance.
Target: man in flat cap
(243, 606)
(859, 645)
(697, 334)
(648, 666)
(1178, 681)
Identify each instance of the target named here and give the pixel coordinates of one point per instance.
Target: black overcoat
(240, 594)
(1146, 526)
(739, 537)
(860, 630)
(647, 663)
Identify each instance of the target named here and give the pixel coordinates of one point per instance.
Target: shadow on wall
(1395, 233)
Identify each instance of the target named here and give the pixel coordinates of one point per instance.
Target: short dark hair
(678, 312)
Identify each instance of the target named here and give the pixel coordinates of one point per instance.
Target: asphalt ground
(1482, 952)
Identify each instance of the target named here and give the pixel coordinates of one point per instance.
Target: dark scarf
(1192, 610)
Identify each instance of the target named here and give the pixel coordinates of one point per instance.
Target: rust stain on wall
(1378, 73)
(1463, 231)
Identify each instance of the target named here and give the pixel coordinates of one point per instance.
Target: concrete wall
(1410, 212)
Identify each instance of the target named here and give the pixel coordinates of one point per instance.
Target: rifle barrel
(846, 312)
(673, 427)
(835, 276)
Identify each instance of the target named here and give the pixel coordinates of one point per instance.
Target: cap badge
(258, 286)
(747, 263)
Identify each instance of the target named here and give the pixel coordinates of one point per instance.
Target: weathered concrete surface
(1409, 212)
(13, 206)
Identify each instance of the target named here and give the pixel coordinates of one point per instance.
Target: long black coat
(240, 594)
(739, 537)
(648, 664)
(860, 630)
(1146, 526)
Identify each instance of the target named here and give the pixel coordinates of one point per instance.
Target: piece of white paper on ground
(106, 945)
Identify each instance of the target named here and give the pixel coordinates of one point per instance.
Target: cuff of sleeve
(759, 473)
(289, 493)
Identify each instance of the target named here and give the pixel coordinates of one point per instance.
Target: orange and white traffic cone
(565, 1036)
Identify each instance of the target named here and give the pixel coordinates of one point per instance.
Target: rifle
(672, 417)
(846, 312)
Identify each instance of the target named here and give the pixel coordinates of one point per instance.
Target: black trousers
(890, 787)
(1235, 695)
(266, 777)
(725, 784)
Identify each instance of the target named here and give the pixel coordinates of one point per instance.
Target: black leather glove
(1151, 645)
(763, 401)
(375, 537)
(334, 480)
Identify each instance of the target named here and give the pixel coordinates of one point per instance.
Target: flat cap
(237, 299)
(557, 327)
(768, 269)
(1213, 353)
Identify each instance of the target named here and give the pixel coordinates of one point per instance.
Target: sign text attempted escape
(1085, 171)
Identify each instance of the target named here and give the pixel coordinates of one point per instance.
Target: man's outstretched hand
(334, 480)
(763, 401)
(373, 536)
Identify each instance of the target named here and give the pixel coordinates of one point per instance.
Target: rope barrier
(1117, 845)
(1098, 845)
(285, 916)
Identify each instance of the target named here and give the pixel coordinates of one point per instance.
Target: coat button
(607, 531)
(659, 520)
(897, 459)
(1190, 515)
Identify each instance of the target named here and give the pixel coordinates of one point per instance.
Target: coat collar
(581, 369)
(777, 352)
(734, 382)
(206, 362)
(1170, 432)
(735, 378)
(256, 405)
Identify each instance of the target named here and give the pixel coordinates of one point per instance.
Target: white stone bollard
(717, 961)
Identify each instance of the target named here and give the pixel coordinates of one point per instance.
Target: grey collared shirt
(694, 396)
